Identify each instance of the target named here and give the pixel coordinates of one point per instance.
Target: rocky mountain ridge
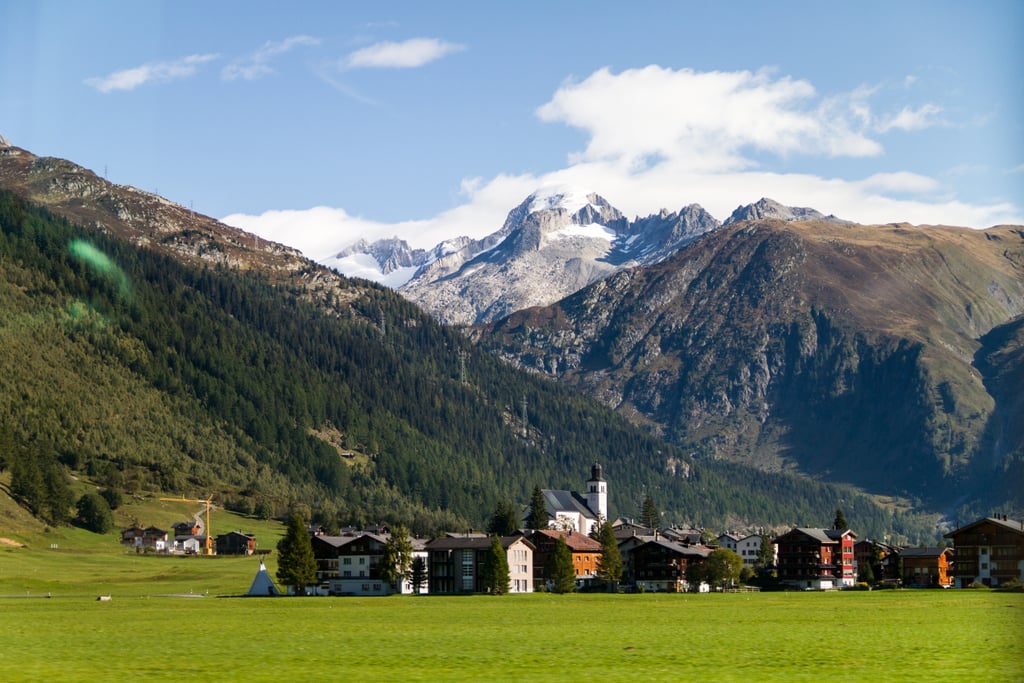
(148, 220)
(847, 352)
(550, 246)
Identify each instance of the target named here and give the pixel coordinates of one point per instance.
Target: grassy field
(879, 636)
(149, 631)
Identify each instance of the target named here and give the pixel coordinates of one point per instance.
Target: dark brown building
(989, 551)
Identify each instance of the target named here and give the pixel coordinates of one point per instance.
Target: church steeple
(597, 492)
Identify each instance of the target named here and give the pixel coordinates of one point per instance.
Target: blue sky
(317, 123)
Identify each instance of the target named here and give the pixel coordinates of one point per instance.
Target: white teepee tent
(263, 585)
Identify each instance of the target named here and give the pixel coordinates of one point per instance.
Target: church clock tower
(597, 493)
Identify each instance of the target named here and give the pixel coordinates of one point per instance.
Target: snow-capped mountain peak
(569, 199)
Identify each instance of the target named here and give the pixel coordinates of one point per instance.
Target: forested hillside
(147, 375)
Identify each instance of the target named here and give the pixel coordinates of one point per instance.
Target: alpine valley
(760, 371)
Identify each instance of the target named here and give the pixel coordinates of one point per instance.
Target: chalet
(684, 535)
(882, 557)
(454, 563)
(151, 539)
(350, 565)
(569, 510)
(728, 541)
(927, 567)
(586, 553)
(989, 551)
(749, 548)
(184, 529)
(816, 558)
(235, 543)
(627, 528)
(658, 564)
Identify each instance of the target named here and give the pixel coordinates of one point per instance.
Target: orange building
(585, 553)
(927, 567)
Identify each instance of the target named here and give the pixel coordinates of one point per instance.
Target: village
(986, 552)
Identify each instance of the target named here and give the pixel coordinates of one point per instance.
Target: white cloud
(659, 138)
(408, 54)
(706, 119)
(911, 119)
(257, 64)
(158, 72)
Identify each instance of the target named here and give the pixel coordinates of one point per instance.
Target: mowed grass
(877, 636)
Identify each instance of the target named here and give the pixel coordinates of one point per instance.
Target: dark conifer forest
(145, 375)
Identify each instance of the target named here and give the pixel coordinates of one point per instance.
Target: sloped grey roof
(565, 501)
(1015, 525)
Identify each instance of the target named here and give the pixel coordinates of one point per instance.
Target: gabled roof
(473, 542)
(1014, 525)
(566, 501)
(823, 536)
(924, 552)
(576, 541)
(677, 548)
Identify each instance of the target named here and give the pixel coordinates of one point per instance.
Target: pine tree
(649, 515)
(504, 521)
(560, 570)
(538, 517)
(394, 565)
(296, 564)
(494, 573)
(765, 554)
(840, 521)
(609, 566)
(419, 574)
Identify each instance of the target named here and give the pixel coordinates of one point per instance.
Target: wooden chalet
(235, 543)
(989, 551)
(882, 557)
(927, 567)
(659, 564)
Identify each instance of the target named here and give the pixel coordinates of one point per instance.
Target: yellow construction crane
(208, 549)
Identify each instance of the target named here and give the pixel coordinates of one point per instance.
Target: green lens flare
(101, 263)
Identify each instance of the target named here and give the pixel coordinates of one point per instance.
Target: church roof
(566, 501)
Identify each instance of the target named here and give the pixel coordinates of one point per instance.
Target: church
(571, 511)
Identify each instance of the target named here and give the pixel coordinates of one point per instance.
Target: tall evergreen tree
(765, 561)
(840, 522)
(418, 578)
(296, 564)
(649, 515)
(560, 570)
(609, 566)
(538, 517)
(495, 570)
(504, 521)
(394, 565)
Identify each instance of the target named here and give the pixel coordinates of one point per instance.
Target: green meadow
(878, 636)
(152, 629)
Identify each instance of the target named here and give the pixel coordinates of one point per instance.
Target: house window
(346, 560)
(347, 573)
